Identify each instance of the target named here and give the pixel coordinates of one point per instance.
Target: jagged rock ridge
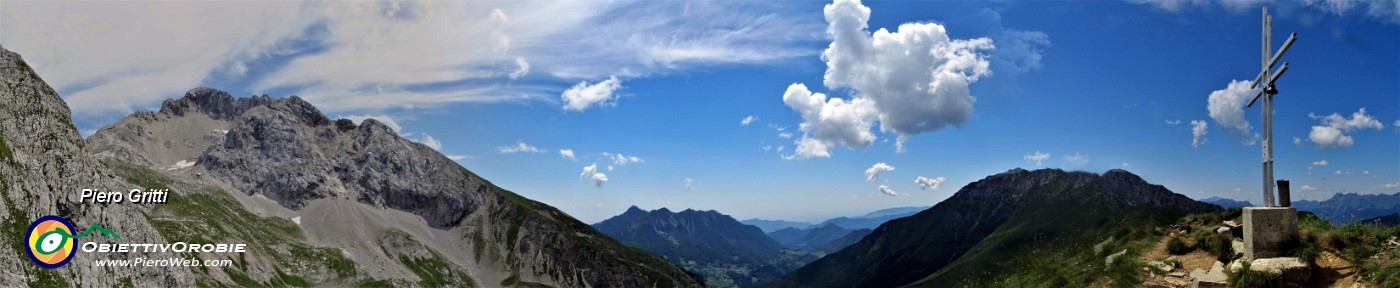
(345, 183)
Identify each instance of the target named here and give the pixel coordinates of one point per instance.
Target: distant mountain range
(768, 226)
(812, 239)
(986, 224)
(867, 221)
(1341, 208)
(1352, 207)
(841, 243)
(727, 253)
(731, 253)
(1227, 203)
(1387, 220)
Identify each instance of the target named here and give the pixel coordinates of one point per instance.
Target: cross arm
(1286, 44)
(1271, 82)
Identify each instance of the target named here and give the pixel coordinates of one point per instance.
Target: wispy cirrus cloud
(1384, 11)
(373, 56)
(1037, 157)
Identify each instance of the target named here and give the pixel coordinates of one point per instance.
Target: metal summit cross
(1268, 79)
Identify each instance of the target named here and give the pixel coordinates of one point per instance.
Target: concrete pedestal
(1267, 230)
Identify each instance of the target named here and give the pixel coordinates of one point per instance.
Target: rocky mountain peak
(372, 126)
(217, 104)
(1123, 175)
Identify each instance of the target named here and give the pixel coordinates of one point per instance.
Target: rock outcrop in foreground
(43, 167)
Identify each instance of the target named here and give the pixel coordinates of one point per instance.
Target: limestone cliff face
(345, 183)
(43, 167)
(291, 153)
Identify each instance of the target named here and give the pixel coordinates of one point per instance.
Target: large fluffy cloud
(827, 123)
(584, 94)
(1226, 107)
(913, 80)
(1333, 131)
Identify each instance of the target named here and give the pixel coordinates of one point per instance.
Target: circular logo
(51, 241)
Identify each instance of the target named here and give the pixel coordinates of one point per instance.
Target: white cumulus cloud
(1306, 188)
(519, 147)
(1333, 131)
(1198, 132)
(689, 184)
(599, 179)
(929, 183)
(1322, 162)
(1226, 107)
(588, 170)
(874, 171)
(584, 94)
(567, 153)
(828, 123)
(885, 188)
(912, 80)
(1038, 157)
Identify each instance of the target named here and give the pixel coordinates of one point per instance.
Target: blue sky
(1091, 86)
